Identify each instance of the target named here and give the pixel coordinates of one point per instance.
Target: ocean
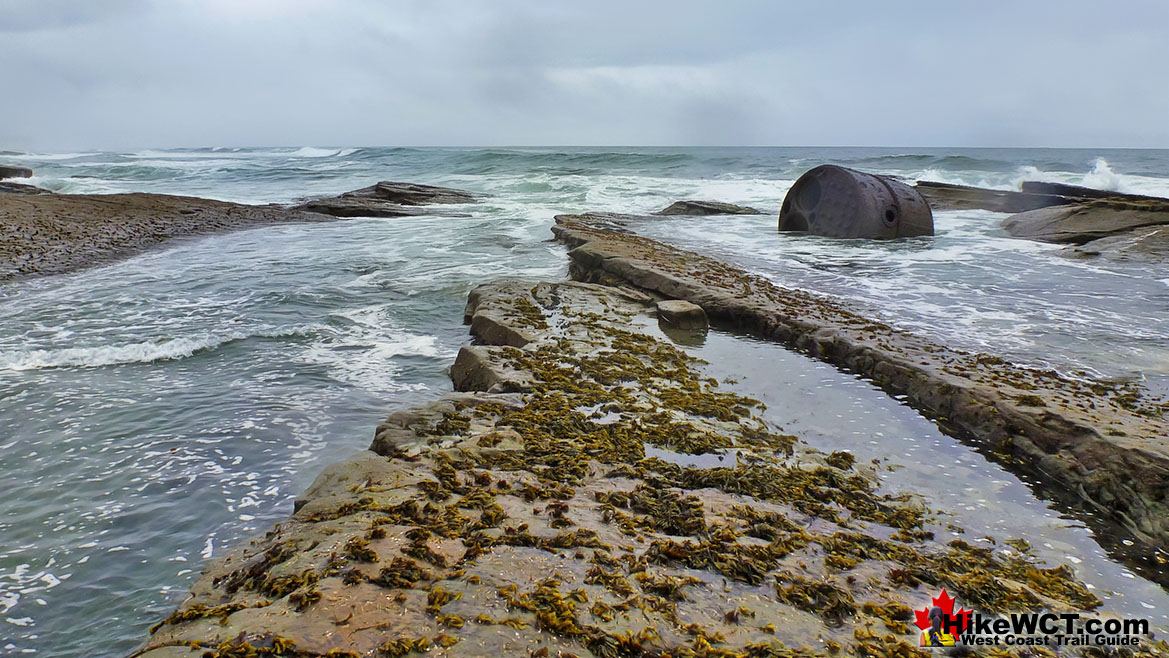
(158, 410)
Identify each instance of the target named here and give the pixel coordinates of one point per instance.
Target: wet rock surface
(1080, 192)
(531, 522)
(389, 199)
(56, 233)
(15, 172)
(1033, 195)
(681, 314)
(1103, 443)
(947, 196)
(1142, 244)
(706, 208)
(1117, 225)
(21, 188)
(1084, 222)
(346, 207)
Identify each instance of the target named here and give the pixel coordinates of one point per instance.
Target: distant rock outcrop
(1080, 192)
(15, 172)
(388, 199)
(947, 196)
(56, 233)
(706, 208)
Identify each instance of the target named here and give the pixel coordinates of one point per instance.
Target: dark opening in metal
(810, 195)
(795, 222)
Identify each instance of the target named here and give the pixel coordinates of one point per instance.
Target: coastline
(526, 514)
(1034, 422)
(48, 234)
(522, 513)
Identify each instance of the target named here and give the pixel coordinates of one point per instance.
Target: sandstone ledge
(1103, 443)
(704, 208)
(391, 199)
(532, 523)
(43, 233)
(57, 233)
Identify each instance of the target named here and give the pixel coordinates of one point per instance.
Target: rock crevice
(1103, 443)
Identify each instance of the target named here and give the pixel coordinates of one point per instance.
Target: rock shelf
(1103, 443)
(522, 516)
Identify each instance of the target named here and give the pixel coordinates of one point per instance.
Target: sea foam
(312, 152)
(1102, 177)
(165, 349)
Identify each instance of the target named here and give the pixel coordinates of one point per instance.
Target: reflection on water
(832, 410)
(969, 287)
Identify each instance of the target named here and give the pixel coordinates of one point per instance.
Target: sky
(120, 74)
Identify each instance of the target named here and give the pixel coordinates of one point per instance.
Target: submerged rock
(412, 194)
(1083, 222)
(15, 172)
(843, 203)
(389, 199)
(706, 208)
(347, 207)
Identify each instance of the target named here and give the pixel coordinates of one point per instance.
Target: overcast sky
(141, 73)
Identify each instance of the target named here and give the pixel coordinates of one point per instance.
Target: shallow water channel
(833, 410)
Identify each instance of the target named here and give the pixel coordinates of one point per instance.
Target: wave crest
(166, 349)
(1102, 177)
(313, 152)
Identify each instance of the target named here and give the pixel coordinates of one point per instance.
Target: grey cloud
(365, 72)
(30, 15)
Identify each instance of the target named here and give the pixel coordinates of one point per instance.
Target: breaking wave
(1102, 177)
(312, 152)
(164, 349)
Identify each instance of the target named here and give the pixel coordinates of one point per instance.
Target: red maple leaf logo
(946, 603)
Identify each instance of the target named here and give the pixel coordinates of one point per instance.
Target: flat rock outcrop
(21, 188)
(948, 196)
(1083, 222)
(617, 503)
(1141, 244)
(706, 208)
(1105, 444)
(680, 314)
(1081, 192)
(354, 207)
(1033, 195)
(15, 172)
(56, 233)
(389, 199)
